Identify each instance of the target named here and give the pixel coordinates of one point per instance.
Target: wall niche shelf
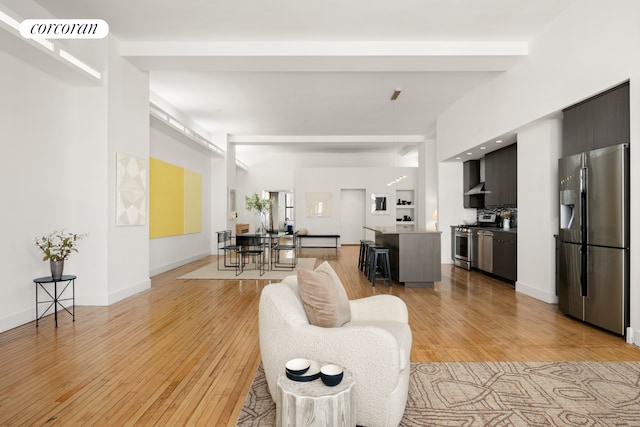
(405, 207)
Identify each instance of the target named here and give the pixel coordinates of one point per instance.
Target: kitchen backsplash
(498, 210)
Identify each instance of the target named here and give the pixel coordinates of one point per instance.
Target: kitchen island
(414, 254)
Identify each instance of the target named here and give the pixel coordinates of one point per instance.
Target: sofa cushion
(324, 298)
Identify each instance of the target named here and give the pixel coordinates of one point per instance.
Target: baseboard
(17, 319)
(28, 315)
(171, 266)
(104, 300)
(130, 291)
(536, 293)
(633, 336)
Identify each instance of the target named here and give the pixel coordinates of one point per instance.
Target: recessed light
(483, 148)
(498, 141)
(395, 181)
(458, 158)
(469, 154)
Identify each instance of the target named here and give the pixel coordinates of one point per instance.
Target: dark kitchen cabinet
(598, 122)
(492, 178)
(505, 255)
(471, 178)
(501, 177)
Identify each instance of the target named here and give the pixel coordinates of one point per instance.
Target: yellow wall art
(175, 200)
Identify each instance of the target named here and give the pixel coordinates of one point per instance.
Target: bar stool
(367, 263)
(363, 253)
(380, 266)
(367, 257)
(364, 266)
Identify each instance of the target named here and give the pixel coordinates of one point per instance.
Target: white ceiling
(318, 75)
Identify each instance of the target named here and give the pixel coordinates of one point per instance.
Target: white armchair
(375, 346)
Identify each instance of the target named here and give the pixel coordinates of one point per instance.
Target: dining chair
(250, 246)
(225, 246)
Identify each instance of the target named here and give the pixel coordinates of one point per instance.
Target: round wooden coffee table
(313, 403)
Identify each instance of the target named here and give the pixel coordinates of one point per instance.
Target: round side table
(56, 297)
(313, 403)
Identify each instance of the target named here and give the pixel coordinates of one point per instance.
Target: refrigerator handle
(583, 233)
(583, 205)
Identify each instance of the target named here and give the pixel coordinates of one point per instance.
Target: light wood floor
(185, 351)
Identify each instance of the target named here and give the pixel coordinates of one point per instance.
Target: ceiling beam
(321, 139)
(325, 56)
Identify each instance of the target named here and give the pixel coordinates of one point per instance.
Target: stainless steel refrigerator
(593, 253)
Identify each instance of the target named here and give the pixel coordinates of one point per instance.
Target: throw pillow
(324, 298)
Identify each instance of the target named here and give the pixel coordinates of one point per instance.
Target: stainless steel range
(462, 246)
(463, 253)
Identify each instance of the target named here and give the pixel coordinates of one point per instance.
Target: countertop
(401, 229)
(497, 229)
(493, 229)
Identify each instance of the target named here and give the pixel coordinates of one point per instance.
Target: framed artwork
(131, 190)
(318, 205)
(379, 204)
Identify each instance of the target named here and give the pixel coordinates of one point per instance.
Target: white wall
(128, 132)
(303, 173)
(37, 184)
(587, 49)
(59, 172)
(280, 172)
(333, 180)
(273, 173)
(224, 179)
(451, 209)
(538, 154)
(169, 252)
(427, 185)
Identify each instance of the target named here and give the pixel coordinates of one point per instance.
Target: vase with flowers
(261, 206)
(56, 248)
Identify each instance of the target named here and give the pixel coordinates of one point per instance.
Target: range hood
(477, 189)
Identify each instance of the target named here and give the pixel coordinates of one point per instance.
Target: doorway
(281, 217)
(352, 216)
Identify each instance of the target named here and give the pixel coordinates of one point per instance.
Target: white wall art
(131, 191)
(318, 204)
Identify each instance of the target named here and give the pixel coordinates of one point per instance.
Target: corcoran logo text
(64, 28)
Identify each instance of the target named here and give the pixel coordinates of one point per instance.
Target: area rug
(501, 394)
(210, 271)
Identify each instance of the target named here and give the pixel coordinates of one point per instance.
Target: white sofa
(375, 345)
